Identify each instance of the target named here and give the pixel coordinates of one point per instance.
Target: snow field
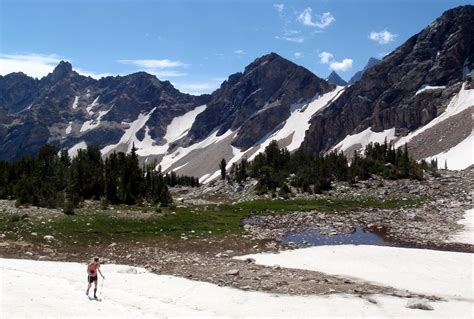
(129, 137)
(57, 290)
(364, 138)
(460, 156)
(73, 150)
(467, 234)
(444, 274)
(460, 102)
(299, 121)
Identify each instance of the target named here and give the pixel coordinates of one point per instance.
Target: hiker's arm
(100, 272)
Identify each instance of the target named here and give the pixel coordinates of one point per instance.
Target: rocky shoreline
(444, 201)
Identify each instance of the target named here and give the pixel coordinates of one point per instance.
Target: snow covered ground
(423, 271)
(467, 234)
(364, 138)
(57, 289)
(460, 156)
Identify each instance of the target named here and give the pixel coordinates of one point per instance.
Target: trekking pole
(102, 287)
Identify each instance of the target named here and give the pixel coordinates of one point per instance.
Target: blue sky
(197, 44)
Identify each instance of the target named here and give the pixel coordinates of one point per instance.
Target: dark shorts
(91, 279)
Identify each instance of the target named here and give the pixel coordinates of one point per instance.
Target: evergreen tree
(222, 168)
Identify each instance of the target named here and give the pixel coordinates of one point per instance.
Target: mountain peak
(334, 78)
(263, 60)
(60, 71)
(63, 67)
(358, 75)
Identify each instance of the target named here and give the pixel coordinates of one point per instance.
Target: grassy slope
(194, 221)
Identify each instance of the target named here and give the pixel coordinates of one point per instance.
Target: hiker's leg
(88, 286)
(95, 287)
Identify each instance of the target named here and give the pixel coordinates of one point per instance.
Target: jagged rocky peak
(62, 70)
(358, 75)
(256, 101)
(66, 108)
(63, 67)
(386, 95)
(334, 78)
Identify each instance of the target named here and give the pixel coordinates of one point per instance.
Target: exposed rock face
(334, 78)
(409, 88)
(65, 108)
(358, 75)
(257, 100)
(385, 97)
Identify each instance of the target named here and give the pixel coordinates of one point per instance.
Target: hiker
(92, 269)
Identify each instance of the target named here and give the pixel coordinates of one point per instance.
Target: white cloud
(291, 39)
(93, 75)
(291, 32)
(279, 7)
(34, 65)
(344, 65)
(298, 55)
(165, 73)
(306, 18)
(382, 37)
(325, 20)
(199, 88)
(325, 57)
(161, 68)
(240, 52)
(153, 64)
(37, 65)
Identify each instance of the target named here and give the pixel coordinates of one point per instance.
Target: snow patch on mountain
(426, 87)
(297, 123)
(460, 102)
(292, 131)
(204, 178)
(130, 137)
(363, 138)
(148, 146)
(91, 106)
(180, 125)
(73, 150)
(177, 129)
(74, 104)
(458, 157)
(92, 124)
(69, 128)
(169, 159)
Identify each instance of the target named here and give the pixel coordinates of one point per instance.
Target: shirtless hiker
(92, 269)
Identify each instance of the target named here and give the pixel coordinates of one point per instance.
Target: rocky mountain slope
(428, 77)
(72, 111)
(420, 94)
(358, 75)
(256, 101)
(67, 109)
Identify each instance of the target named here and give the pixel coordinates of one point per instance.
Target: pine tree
(222, 168)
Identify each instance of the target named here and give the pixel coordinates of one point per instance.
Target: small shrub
(68, 208)
(104, 204)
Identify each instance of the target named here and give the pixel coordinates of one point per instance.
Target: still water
(359, 237)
